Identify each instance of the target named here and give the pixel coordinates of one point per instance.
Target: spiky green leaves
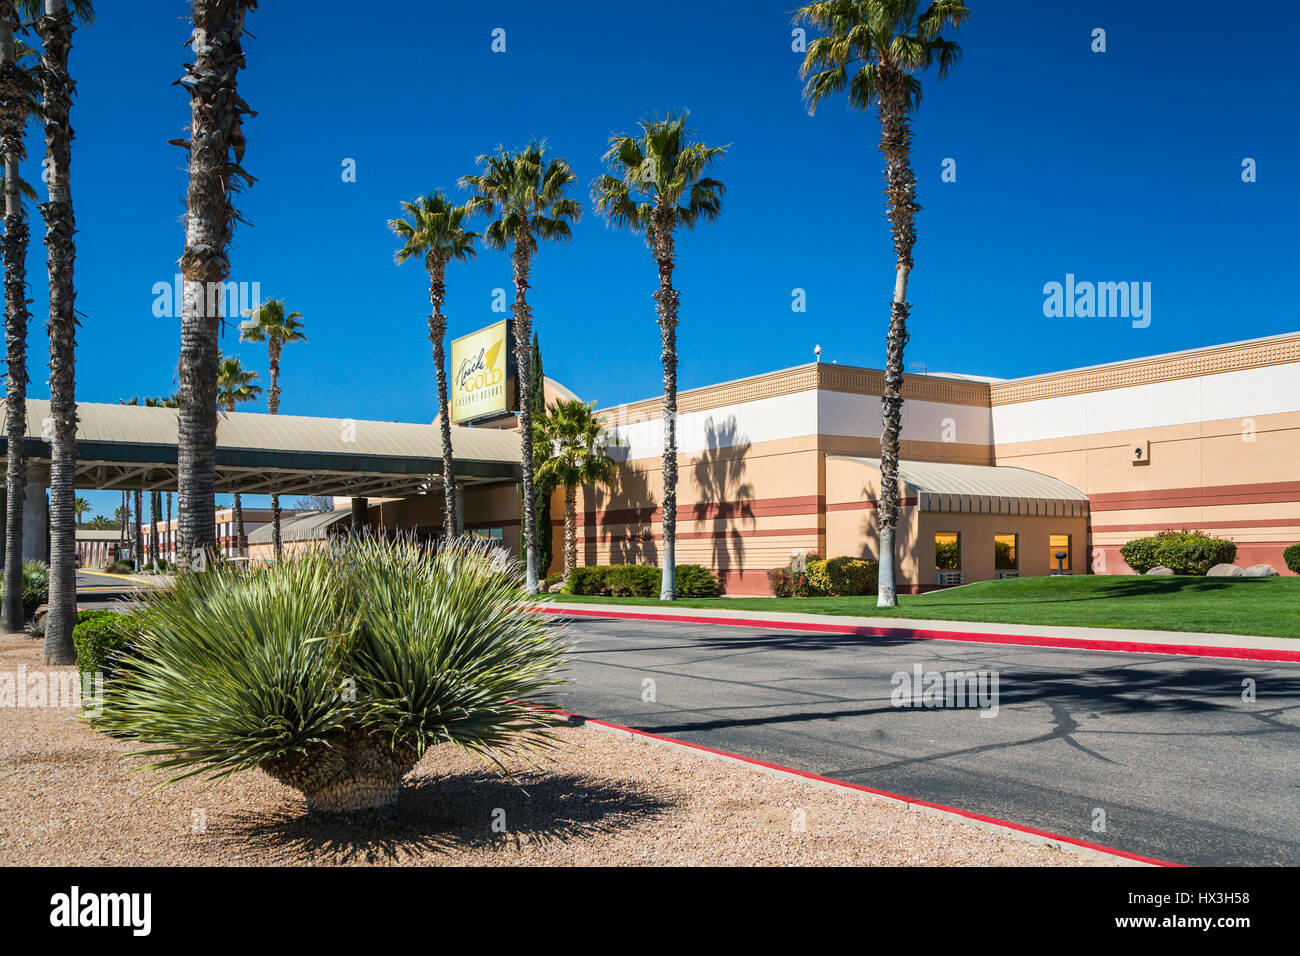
(238, 669)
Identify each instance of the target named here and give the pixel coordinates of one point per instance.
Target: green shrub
(810, 582)
(587, 581)
(697, 581)
(817, 581)
(553, 579)
(1292, 557)
(119, 567)
(334, 670)
(632, 580)
(850, 577)
(36, 586)
(102, 638)
(1183, 552)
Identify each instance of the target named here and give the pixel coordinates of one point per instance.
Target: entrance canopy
(135, 447)
(983, 489)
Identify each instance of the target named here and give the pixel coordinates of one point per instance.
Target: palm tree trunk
(273, 408)
(15, 87)
(900, 192)
(137, 547)
(523, 347)
(155, 506)
(437, 332)
(240, 541)
(171, 532)
(215, 112)
(55, 29)
(570, 529)
(666, 303)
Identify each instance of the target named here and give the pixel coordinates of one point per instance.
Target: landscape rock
(39, 617)
(1160, 569)
(1224, 571)
(556, 588)
(1260, 571)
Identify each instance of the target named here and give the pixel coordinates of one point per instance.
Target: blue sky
(1115, 166)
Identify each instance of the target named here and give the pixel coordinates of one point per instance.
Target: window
(947, 551)
(1004, 553)
(1059, 543)
(486, 534)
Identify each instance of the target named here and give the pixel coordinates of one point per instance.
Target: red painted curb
(1110, 850)
(1023, 640)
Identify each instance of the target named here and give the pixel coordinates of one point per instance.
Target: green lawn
(1267, 606)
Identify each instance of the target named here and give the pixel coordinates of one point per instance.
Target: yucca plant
(335, 670)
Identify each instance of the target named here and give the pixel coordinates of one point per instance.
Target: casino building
(998, 475)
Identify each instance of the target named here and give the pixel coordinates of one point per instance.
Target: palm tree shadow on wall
(726, 499)
(627, 527)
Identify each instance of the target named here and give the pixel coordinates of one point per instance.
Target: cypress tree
(541, 491)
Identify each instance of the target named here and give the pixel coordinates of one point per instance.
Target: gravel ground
(67, 798)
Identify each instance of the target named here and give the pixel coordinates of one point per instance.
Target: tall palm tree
(436, 233)
(657, 183)
(524, 192)
(79, 507)
(235, 385)
(269, 323)
(17, 103)
(571, 452)
(55, 29)
(876, 50)
(216, 149)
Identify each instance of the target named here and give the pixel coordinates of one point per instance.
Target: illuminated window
(1059, 543)
(1004, 552)
(947, 551)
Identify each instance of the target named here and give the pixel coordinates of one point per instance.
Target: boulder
(1224, 571)
(556, 588)
(1160, 570)
(38, 618)
(1260, 571)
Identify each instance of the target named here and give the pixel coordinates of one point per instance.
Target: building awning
(984, 489)
(312, 526)
(133, 447)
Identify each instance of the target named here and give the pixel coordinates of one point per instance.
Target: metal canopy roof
(132, 446)
(984, 489)
(311, 526)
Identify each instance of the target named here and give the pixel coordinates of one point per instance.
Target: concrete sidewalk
(1032, 635)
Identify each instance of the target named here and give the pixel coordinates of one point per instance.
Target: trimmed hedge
(99, 637)
(1183, 552)
(839, 577)
(1292, 557)
(636, 580)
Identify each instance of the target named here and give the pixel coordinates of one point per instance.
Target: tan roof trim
(1232, 357)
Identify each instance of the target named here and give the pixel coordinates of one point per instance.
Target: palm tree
(216, 149)
(656, 184)
(436, 232)
(235, 385)
(571, 452)
(524, 192)
(55, 29)
(270, 324)
(17, 104)
(99, 522)
(79, 507)
(875, 50)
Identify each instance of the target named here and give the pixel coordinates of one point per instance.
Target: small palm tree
(235, 385)
(875, 50)
(571, 452)
(79, 507)
(216, 150)
(99, 522)
(436, 233)
(656, 185)
(524, 192)
(18, 102)
(270, 323)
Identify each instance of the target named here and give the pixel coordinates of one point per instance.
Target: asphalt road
(96, 589)
(1182, 767)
